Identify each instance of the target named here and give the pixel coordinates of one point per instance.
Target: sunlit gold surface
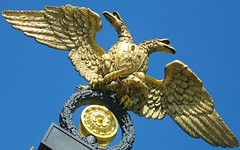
(123, 69)
(100, 122)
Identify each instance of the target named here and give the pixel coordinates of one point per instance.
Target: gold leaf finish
(100, 122)
(123, 69)
(66, 28)
(183, 97)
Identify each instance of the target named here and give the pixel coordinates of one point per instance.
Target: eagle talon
(96, 83)
(137, 80)
(82, 88)
(126, 101)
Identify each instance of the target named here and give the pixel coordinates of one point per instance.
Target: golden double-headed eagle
(123, 69)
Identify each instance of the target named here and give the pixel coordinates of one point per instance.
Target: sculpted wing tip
(182, 96)
(66, 28)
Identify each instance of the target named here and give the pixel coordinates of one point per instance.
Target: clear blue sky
(35, 80)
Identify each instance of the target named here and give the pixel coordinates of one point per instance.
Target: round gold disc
(100, 122)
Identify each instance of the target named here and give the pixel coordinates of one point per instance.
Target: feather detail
(182, 96)
(66, 28)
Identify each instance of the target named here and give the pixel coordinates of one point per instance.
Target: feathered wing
(66, 28)
(182, 96)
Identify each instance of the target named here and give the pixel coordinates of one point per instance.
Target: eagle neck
(124, 35)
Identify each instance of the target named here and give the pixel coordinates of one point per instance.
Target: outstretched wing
(66, 28)
(182, 96)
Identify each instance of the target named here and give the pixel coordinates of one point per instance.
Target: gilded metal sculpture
(122, 70)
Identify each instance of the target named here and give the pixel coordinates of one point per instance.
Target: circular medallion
(90, 97)
(100, 122)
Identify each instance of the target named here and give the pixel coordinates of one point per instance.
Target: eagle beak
(114, 19)
(169, 48)
(163, 45)
(109, 16)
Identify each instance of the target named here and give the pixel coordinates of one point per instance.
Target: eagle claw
(82, 87)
